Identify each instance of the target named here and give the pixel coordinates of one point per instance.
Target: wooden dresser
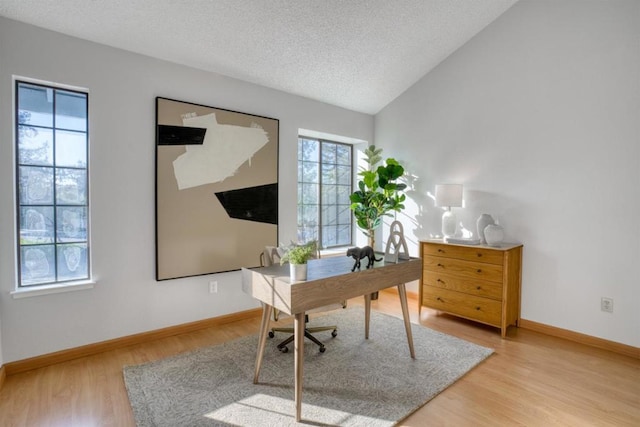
(480, 283)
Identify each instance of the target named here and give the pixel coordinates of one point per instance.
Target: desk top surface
(324, 268)
(329, 280)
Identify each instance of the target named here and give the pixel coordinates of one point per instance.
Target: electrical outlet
(606, 304)
(213, 287)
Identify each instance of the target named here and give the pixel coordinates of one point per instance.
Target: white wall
(539, 117)
(123, 87)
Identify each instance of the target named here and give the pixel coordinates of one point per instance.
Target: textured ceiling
(357, 54)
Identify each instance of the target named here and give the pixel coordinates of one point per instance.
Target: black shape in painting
(258, 203)
(180, 135)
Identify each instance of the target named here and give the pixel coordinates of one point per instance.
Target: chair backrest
(272, 254)
(269, 256)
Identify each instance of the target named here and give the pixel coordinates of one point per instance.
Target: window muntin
(324, 186)
(52, 184)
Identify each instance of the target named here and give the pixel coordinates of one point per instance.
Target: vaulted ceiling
(356, 54)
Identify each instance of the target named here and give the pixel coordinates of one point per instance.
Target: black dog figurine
(359, 253)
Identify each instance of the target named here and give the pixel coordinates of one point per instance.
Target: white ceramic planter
(297, 272)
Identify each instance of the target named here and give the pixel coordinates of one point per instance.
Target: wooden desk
(329, 280)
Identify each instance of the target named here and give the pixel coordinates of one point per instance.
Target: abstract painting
(216, 188)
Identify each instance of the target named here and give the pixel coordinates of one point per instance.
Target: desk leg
(402, 291)
(298, 330)
(367, 315)
(264, 326)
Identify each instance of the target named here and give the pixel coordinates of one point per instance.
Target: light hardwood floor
(532, 380)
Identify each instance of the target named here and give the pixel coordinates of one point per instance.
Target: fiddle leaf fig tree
(378, 192)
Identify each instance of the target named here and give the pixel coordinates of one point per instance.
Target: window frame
(319, 189)
(58, 284)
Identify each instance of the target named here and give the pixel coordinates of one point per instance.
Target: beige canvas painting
(216, 188)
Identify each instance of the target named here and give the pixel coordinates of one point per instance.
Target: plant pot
(297, 272)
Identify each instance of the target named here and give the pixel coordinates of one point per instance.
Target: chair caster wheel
(284, 349)
(334, 333)
(322, 349)
(271, 334)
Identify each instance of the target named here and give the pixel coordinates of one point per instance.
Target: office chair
(271, 255)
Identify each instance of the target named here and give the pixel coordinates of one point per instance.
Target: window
(324, 186)
(52, 184)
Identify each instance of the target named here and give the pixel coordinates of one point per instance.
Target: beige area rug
(356, 382)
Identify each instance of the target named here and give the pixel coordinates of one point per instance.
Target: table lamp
(449, 196)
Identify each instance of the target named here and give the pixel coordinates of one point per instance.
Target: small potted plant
(297, 257)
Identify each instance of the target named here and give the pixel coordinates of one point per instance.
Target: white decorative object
(297, 272)
(483, 221)
(449, 196)
(494, 234)
(396, 245)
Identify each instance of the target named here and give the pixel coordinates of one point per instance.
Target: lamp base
(449, 224)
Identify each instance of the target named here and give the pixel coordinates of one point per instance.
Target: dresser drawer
(484, 310)
(481, 288)
(461, 268)
(469, 253)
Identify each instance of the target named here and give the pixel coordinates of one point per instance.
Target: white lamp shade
(449, 195)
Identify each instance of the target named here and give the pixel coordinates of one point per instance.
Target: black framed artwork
(216, 188)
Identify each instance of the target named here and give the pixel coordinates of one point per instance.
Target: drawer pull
(478, 308)
(479, 270)
(479, 254)
(441, 251)
(478, 287)
(440, 265)
(439, 280)
(439, 299)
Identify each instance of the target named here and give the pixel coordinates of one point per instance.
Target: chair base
(307, 333)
